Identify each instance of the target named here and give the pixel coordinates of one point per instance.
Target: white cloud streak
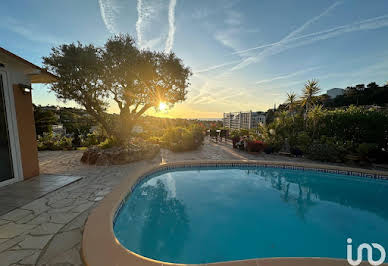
(297, 73)
(216, 67)
(281, 46)
(312, 21)
(108, 13)
(139, 22)
(145, 13)
(278, 47)
(171, 26)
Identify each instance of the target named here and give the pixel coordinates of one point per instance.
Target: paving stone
(11, 229)
(63, 218)
(78, 222)
(61, 210)
(16, 215)
(69, 257)
(31, 259)
(12, 242)
(26, 219)
(83, 207)
(46, 229)
(61, 203)
(40, 219)
(12, 256)
(37, 206)
(59, 244)
(35, 242)
(3, 222)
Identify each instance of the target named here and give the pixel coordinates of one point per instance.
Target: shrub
(183, 139)
(90, 140)
(327, 152)
(108, 143)
(255, 146)
(50, 142)
(303, 141)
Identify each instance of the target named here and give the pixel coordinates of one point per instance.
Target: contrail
(216, 67)
(368, 24)
(287, 75)
(171, 26)
(312, 21)
(139, 22)
(108, 15)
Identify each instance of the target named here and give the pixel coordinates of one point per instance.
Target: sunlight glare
(162, 106)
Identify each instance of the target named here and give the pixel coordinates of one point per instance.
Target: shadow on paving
(18, 194)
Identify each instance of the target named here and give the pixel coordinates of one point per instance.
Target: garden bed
(123, 154)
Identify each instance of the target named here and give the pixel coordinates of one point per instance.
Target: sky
(244, 54)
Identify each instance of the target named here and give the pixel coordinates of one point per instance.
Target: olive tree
(79, 68)
(136, 80)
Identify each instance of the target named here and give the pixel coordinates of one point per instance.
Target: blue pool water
(203, 215)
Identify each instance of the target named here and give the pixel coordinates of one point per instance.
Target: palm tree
(291, 98)
(310, 90)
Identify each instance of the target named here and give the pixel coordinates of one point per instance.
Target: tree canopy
(120, 73)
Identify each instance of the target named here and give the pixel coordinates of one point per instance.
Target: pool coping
(101, 247)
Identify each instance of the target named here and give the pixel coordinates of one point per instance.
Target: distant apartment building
(335, 92)
(243, 120)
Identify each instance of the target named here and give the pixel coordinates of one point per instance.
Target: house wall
(27, 135)
(21, 118)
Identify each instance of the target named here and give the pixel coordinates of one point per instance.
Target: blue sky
(245, 54)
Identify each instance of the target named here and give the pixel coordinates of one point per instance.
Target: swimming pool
(214, 214)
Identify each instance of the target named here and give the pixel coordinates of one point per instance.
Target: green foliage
(301, 141)
(329, 135)
(119, 72)
(44, 120)
(234, 134)
(310, 90)
(372, 94)
(108, 143)
(50, 142)
(90, 140)
(180, 139)
(327, 152)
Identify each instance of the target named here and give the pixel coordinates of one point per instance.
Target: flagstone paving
(48, 230)
(21, 193)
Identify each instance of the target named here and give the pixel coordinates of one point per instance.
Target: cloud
(109, 12)
(215, 67)
(146, 12)
(171, 26)
(229, 38)
(278, 47)
(139, 22)
(154, 18)
(312, 21)
(281, 45)
(297, 73)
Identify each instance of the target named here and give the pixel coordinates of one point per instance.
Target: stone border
(100, 246)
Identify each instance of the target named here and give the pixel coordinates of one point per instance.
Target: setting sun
(162, 106)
